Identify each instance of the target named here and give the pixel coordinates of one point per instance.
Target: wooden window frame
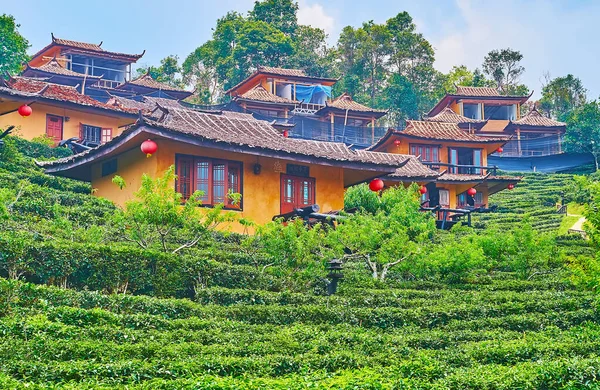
(297, 190)
(62, 125)
(415, 148)
(193, 180)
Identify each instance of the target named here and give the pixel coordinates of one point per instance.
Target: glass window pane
(218, 183)
(233, 180)
(184, 178)
(202, 179)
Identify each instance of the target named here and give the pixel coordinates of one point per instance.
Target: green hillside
(483, 323)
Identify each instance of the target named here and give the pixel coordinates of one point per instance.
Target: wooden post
(519, 142)
(559, 142)
(332, 126)
(372, 130)
(243, 107)
(285, 113)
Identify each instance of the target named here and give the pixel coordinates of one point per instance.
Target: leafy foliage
(13, 51)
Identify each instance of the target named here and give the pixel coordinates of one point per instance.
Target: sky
(555, 37)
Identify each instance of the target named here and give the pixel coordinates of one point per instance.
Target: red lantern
(423, 190)
(376, 185)
(471, 191)
(25, 110)
(511, 186)
(500, 150)
(286, 133)
(149, 147)
(397, 142)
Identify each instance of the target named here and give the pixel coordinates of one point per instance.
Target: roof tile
(259, 93)
(535, 118)
(444, 131)
(476, 91)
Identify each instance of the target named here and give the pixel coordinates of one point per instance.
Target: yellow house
(457, 153)
(219, 153)
(59, 112)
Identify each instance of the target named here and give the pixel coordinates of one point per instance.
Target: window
(296, 192)
(215, 178)
(94, 135)
(464, 200)
(496, 112)
(472, 111)
(428, 153)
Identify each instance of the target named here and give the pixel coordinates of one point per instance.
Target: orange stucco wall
(35, 124)
(260, 193)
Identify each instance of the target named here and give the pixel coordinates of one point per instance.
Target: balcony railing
(462, 169)
(107, 84)
(307, 108)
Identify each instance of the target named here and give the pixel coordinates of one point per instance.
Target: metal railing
(462, 169)
(307, 108)
(107, 84)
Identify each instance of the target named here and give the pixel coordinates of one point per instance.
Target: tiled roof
(148, 106)
(148, 82)
(444, 131)
(476, 91)
(414, 169)
(84, 47)
(345, 102)
(449, 116)
(252, 134)
(57, 92)
(258, 93)
(80, 45)
(282, 71)
(536, 119)
(54, 67)
(452, 177)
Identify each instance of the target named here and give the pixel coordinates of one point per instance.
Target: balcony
(462, 169)
(107, 84)
(307, 108)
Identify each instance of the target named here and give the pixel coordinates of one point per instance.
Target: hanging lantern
(376, 185)
(500, 150)
(149, 147)
(25, 110)
(423, 190)
(511, 186)
(286, 133)
(397, 142)
(471, 191)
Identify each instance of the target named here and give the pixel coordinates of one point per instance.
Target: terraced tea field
(505, 334)
(535, 197)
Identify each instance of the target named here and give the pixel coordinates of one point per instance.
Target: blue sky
(555, 37)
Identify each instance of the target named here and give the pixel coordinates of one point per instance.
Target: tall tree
(561, 95)
(504, 66)
(281, 14)
(13, 46)
(583, 130)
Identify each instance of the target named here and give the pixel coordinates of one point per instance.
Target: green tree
(281, 14)
(583, 130)
(13, 50)
(168, 72)
(561, 95)
(156, 217)
(386, 231)
(504, 67)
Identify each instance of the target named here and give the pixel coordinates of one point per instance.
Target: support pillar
(559, 142)
(519, 142)
(372, 130)
(332, 119)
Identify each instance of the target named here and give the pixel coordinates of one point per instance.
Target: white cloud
(314, 15)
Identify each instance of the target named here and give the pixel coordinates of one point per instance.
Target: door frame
(62, 126)
(296, 188)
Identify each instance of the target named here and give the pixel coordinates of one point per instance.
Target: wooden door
(54, 128)
(296, 192)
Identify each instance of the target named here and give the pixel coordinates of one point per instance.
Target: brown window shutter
(80, 131)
